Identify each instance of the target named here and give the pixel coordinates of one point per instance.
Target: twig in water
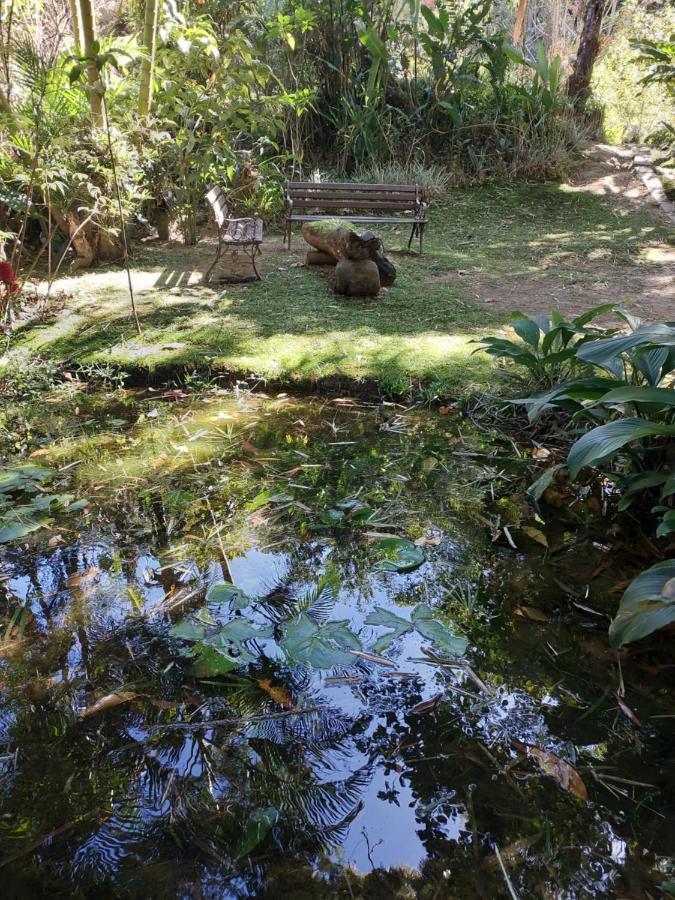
(507, 880)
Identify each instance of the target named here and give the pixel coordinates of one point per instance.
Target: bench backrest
(216, 200)
(337, 195)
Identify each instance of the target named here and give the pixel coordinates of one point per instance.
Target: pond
(256, 646)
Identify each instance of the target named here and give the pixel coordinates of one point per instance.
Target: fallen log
(340, 239)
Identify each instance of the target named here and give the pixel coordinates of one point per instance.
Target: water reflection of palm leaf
(319, 601)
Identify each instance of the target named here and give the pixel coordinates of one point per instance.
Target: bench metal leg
(412, 235)
(207, 276)
(420, 228)
(289, 229)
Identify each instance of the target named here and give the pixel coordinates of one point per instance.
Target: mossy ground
(482, 244)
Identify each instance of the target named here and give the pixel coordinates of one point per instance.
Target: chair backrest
(338, 195)
(216, 200)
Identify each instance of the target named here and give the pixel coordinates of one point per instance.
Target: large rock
(357, 278)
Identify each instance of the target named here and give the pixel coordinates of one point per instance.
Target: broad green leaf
(604, 351)
(325, 647)
(526, 329)
(399, 626)
(255, 830)
(640, 394)
(605, 440)
(443, 639)
(209, 662)
(225, 592)
(667, 525)
(20, 477)
(398, 555)
(591, 314)
(12, 531)
(188, 630)
(647, 605)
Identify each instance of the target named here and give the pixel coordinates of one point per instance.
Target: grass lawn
(488, 250)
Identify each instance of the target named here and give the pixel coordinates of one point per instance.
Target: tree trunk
(579, 84)
(76, 25)
(148, 63)
(88, 25)
(341, 242)
(520, 22)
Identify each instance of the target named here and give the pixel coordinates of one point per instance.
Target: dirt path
(645, 284)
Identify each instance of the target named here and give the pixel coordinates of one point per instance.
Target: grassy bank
(489, 250)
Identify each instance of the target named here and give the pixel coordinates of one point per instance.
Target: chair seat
(243, 231)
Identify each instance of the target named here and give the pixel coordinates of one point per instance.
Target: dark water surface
(317, 780)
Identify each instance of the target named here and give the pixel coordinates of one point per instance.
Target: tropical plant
(548, 344)
(631, 407)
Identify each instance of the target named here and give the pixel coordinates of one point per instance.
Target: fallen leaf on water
(55, 540)
(84, 579)
(529, 612)
(427, 705)
(565, 774)
(277, 692)
(427, 541)
(541, 453)
(627, 711)
(108, 702)
(536, 535)
(446, 410)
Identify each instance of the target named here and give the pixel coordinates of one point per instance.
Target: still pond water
(431, 717)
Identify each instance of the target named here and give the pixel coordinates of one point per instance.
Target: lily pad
(319, 647)
(224, 592)
(398, 555)
(422, 620)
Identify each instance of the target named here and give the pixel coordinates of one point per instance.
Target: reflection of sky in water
(399, 801)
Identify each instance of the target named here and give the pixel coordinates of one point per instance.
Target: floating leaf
(256, 829)
(277, 692)
(20, 478)
(529, 612)
(209, 662)
(439, 634)
(12, 531)
(422, 621)
(187, 630)
(398, 555)
(565, 774)
(399, 626)
(225, 592)
(83, 580)
(536, 535)
(324, 647)
(108, 702)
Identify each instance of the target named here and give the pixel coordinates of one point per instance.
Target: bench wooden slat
(350, 186)
(371, 197)
(337, 199)
(353, 204)
(384, 220)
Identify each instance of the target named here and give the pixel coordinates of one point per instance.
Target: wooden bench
(234, 234)
(395, 204)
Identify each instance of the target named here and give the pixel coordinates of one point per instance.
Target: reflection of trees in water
(121, 793)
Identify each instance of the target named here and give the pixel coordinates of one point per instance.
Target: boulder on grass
(357, 278)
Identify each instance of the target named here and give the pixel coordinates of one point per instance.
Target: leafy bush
(631, 406)
(548, 344)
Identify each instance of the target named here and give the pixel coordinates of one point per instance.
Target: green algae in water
(270, 775)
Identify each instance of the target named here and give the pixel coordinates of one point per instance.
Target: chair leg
(256, 252)
(207, 276)
(289, 229)
(421, 231)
